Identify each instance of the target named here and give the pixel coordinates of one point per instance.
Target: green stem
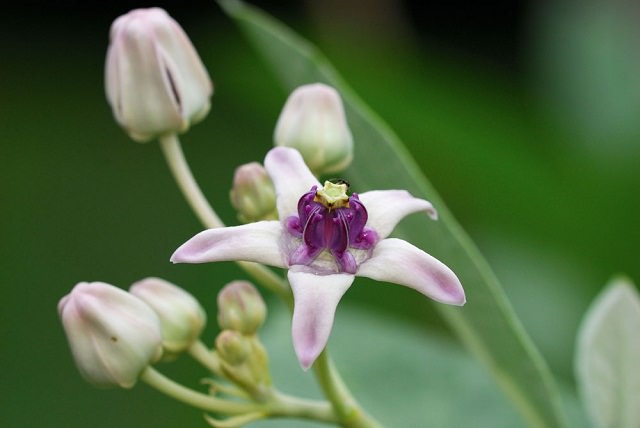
(284, 405)
(280, 405)
(179, 167)
(349, 412)
(196, 399)
(204, 356)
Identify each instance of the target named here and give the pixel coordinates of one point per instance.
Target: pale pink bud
(253, 195)
(241, 308)
(155, 81)
(113, 335)
(233, 347)
(313, 122)
(181, 316)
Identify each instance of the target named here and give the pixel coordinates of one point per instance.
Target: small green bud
(232, 347)
(181, 316)
(244, 361)
(253, 195)
(313, 122)
(241, 308)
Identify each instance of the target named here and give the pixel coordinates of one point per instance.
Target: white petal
(253, 242)
(291, 178)
(190, 77)
(387, 207)
(145, 103)
(399, 262)
(316, 298)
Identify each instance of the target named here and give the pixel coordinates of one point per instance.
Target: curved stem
(179, 167)
(280, 405)
(284, 405)
(349, 412)
(186, 181)
(204, 356)
(196, 399)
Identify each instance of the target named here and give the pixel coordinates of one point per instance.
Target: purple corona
(330, 220)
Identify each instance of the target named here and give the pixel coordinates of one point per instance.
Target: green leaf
(607, 357)
(487, 325)
(417, 380)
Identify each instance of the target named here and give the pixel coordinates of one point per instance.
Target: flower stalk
(205, 357)
(278, 405)
(349, 412)
(179, 167)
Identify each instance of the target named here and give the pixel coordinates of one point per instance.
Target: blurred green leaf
(487, 324)
(418, 382)
(607, 357)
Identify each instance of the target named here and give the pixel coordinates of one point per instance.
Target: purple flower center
(330, 222)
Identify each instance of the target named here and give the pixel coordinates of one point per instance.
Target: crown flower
(325, 238)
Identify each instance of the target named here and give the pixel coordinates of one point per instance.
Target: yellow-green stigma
(333, 195)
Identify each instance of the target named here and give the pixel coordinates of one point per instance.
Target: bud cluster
(244, 360)
(114, 335)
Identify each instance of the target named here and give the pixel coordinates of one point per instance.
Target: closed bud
(245, 361)
(241, 308)
(313, 122)
(253, 195)
(113, 335)
(232, 347)
(181, 317)
(155, 81)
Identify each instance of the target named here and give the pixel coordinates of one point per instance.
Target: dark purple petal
(304, 255)
(358, 216)
(346, 262)
(293, 226)
(305, 204)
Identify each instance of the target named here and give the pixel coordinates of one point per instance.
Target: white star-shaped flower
(325, 238)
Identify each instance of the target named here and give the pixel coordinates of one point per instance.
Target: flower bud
(181, 317)
(113, 335)
(155, 82)
(245, 361)
(232, 347)
(253, 195)
(313, 122)
(241, 308)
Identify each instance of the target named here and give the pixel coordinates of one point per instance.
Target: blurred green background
(523, 115)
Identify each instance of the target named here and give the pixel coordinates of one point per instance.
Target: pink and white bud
(155, 81)
(313, 122)
(253, 195)
(241, 308)
(182, 318)
(113, 335)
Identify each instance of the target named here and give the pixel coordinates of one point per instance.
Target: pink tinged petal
(397, 261)
(316, 298)
(387, 207)
(132, 54)
(187, 71)
(253, 242)
(291, 178)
